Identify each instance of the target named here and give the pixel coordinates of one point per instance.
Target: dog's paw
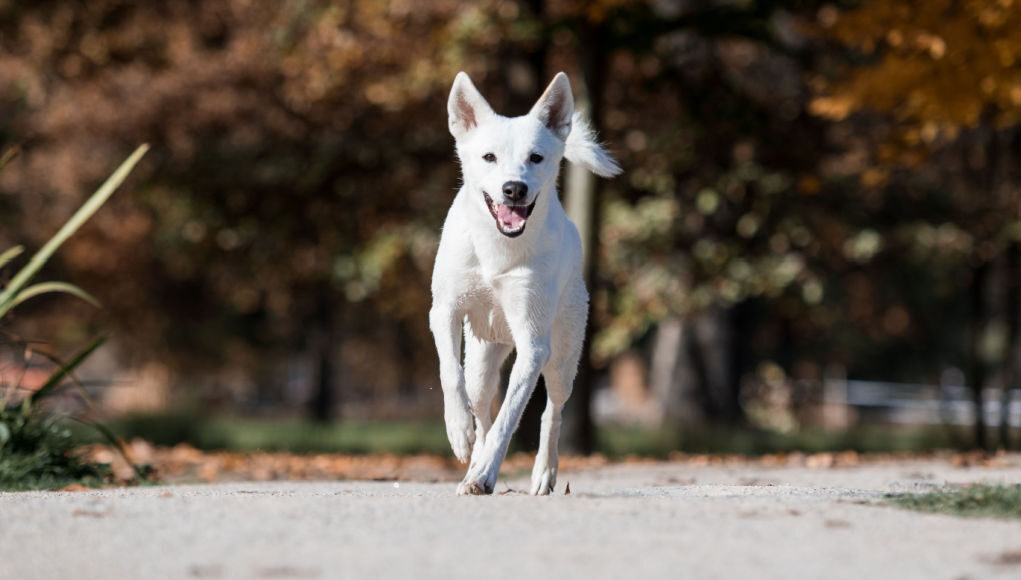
(480, 479)
(460, 432)
(544, 481)
(475, 488)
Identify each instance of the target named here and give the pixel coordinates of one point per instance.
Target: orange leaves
(936, 62)
(836, 108)
(184, 463)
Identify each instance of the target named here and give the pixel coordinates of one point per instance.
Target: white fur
(501, 293)
(583, 149)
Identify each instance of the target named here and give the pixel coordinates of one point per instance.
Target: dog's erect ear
(466, 107)
(555, 107)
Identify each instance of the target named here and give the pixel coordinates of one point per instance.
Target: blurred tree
(713, 202)
(302, 167)
(296, 170)
(944, 73)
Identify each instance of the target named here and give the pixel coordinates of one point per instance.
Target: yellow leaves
(1015, 94)
(835, 108)
(378, 93)
(928, 132)
(873, 177)
(939, 67)
(988, 86)
(931, 43)
(895, 38)
(809, 184)
(991, 15)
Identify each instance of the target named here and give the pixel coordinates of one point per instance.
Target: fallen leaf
(74, 487)
(567, 490)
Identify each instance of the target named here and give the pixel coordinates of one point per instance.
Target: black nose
(515, 191)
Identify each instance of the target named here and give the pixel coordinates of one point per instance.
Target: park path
(662, 520)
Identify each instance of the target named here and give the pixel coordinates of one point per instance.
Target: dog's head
(510, 164)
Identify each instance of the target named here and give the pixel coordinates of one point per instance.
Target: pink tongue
(512, 217)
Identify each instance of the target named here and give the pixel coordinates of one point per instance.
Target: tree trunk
(976, 364)
(323, 404)
(584, 210)
(1012, 349)
(672, 379)
(711, 351)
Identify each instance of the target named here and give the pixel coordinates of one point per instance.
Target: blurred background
(814, 245)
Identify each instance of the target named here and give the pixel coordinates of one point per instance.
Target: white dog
(508, 275)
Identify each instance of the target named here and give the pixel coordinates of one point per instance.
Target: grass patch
(981, 500)
(616, 441)
(363, 437)
(292, 435)
(35, 454)
(402, 437)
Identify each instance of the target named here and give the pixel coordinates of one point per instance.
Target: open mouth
(510, 219)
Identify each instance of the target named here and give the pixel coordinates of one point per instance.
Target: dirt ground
(786, 517)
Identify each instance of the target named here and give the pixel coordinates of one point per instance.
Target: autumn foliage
(807, 187)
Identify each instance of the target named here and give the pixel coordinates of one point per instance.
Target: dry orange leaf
(73, 487)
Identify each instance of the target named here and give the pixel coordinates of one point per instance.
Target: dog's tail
(583, 149)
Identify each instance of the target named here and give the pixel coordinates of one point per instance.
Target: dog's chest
(484, 314)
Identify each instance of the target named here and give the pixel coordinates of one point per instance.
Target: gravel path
(626, 521)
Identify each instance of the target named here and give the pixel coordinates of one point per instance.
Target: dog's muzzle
(510, 219)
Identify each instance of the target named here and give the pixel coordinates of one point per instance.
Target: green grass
(984, 500)
(35, 453)
(363, 436)
(620, 440)
(293, 435)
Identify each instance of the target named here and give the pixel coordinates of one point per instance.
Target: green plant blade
(10, 254)
(65, 369)
(74, 380)
(46, 287)
(84, 213)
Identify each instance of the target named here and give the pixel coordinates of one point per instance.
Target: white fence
(920, 404)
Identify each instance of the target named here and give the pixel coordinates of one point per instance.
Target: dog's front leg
(532, 354)
(447, 325)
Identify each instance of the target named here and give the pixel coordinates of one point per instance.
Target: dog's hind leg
(447, 328)
(558, 386)
(559, 374)
(482, 362)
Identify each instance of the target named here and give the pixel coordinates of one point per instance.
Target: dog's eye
(489, 157)
(535, 158)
